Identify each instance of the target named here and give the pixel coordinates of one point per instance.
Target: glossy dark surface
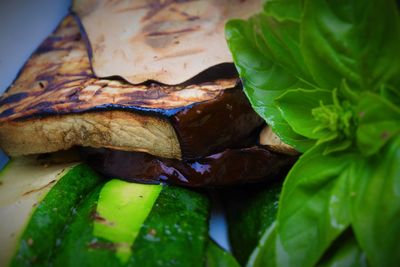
(214, 125)
(232, 166)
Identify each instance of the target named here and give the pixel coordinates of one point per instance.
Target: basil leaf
(391, 94)
(350, 49)
(355, 40)
(218, 257)
(284, 9)
(315, 200)
(279, 41)
(379, 120)
(296, 106)
(375, 205)
(344, 252)
(337, 146)
(263, 80)
(264, 254)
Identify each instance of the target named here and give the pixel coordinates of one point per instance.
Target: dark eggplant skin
(214, 125)
(229, 167)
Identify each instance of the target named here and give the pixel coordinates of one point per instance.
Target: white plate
(23, 26)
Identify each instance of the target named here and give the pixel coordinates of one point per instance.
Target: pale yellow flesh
(273, 142)
(113, 129)
(166, 41)
(24, 183)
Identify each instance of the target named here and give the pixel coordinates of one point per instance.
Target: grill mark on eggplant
(6, 113)
(161, 30)
(57, 83)
(171, 32)
(13, 98)
(155, 7)
(181, 53)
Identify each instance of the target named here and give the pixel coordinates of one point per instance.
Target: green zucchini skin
(61, 230)
(250, 211)
(218, 257)
(175, 233)
(79, 247)
(51, 215)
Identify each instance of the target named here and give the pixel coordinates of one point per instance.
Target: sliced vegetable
(227, 167)
(37, 201)
(175, 122)
(174, 233)
(168, 42)
(65, 215)
(118, 205)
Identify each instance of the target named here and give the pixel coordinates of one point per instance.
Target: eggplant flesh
(57, 99)
(229, 167)
(166, 41)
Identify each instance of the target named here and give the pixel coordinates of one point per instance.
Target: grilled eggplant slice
(231, 166)
(166, 41)
(56, 103)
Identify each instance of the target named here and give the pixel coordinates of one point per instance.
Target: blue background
(23, 26)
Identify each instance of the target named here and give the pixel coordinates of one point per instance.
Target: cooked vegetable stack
(196, 133)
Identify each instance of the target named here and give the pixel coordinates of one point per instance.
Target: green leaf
(379, 120)
(218, 257)
(391, 94)
(375, 205)
(296, 106)
(262, 79)
(355, 40)
(279, 41)
(315, 200)
(344, 252)
(284, 9)
(348, 93)
(337, 146)
(350, 49)
(264, 254)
